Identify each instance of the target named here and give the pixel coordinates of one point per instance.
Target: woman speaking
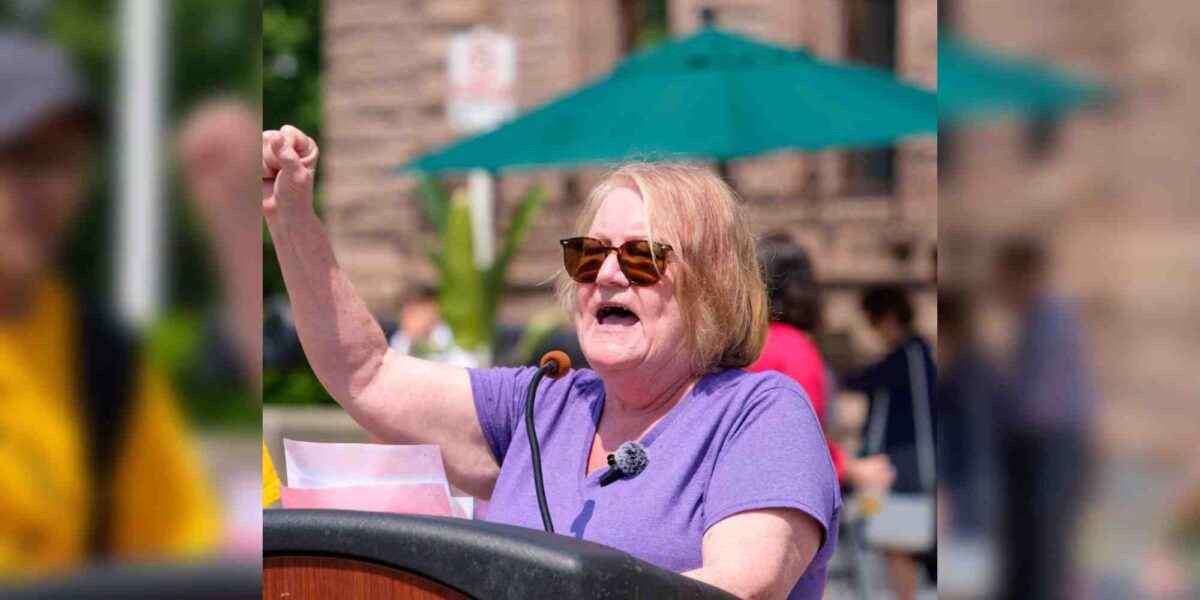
(663, 286)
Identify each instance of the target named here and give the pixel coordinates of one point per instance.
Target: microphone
(555, 364)
(560, 361)
(627, 462)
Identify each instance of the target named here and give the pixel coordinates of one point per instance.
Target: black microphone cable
(556, 364)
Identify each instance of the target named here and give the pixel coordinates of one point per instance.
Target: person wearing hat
(95, 462)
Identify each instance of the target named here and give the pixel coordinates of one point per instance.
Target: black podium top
(482, 560)
(145, 581)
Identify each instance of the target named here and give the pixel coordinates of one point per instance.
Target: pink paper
(317, 465)
(372, 477)
(409, 498)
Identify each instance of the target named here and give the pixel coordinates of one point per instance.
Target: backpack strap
(108, 357)
(922, 415)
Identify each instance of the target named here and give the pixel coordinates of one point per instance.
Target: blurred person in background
(795, 301)
(890, 315)
(1044, 427)
(968, 396)
(968, 464)
(420, 331)
(95, 461)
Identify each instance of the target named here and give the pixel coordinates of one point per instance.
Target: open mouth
(615, 314)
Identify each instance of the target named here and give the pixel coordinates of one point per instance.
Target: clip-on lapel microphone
(627, 462)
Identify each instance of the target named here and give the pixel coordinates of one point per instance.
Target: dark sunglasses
(641, 262)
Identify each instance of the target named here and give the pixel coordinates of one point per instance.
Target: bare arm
(759, 554)
(394, 397)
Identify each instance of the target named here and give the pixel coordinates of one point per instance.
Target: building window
(947, 12)
(643, 24)
(947, 152)
(1043, 136)
(871, 39)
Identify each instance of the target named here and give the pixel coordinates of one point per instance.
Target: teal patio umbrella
(713, 95)
(975, 84)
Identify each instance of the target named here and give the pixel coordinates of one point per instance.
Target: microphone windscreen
(561, 359)
(631, 458)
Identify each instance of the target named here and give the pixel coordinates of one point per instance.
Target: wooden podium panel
(316, 554)
(320, 577)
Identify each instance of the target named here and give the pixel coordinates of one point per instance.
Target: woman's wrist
(287, 215)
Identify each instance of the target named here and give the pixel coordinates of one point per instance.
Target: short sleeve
(499, 394)
(774, 456)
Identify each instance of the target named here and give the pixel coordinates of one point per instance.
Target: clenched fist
(289, 165)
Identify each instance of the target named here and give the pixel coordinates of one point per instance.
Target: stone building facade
(1112, 197)
(385, 63)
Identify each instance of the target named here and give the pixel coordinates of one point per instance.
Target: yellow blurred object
(161, 508)
(871, 502)
(164, 507)
(42, 493)
(270, 480)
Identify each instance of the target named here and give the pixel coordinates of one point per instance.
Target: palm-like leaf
(468, 296)
(514, 239)
(462, 296)
(434, 201)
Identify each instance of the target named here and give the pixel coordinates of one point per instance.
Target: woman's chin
(604, 357)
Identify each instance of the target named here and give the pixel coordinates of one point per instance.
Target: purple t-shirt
(738, 441)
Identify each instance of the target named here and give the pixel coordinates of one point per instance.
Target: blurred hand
(216, 151)
(289, 166)
(872, 472)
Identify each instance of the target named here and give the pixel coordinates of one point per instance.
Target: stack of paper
(372, 477)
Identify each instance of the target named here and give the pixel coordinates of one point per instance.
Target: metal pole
(140, 164)
(481, 192)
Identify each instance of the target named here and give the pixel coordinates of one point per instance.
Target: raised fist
(216, 145)
(289, 165)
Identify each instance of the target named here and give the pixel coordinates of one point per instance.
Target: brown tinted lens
(641, 266)
(582, 258)
(572, 252)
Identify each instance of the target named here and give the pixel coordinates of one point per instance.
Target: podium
(310, 554)
(145, 581)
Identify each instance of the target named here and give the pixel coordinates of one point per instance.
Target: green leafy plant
(468, 294)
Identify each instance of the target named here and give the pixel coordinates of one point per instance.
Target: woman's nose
(610, 272)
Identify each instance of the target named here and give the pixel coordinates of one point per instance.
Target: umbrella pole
(481, 191)
(723, 171)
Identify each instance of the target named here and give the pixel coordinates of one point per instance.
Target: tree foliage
(291, 88)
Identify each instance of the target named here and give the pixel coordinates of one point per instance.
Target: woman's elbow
(362, 391)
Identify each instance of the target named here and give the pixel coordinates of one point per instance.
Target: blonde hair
(714, 266)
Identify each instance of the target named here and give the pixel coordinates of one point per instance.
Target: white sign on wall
(481, 80)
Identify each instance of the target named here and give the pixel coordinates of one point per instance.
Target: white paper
(333, 467)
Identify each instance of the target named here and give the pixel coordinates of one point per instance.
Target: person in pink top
(795, 313)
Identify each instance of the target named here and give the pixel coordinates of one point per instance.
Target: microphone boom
(555, 363)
